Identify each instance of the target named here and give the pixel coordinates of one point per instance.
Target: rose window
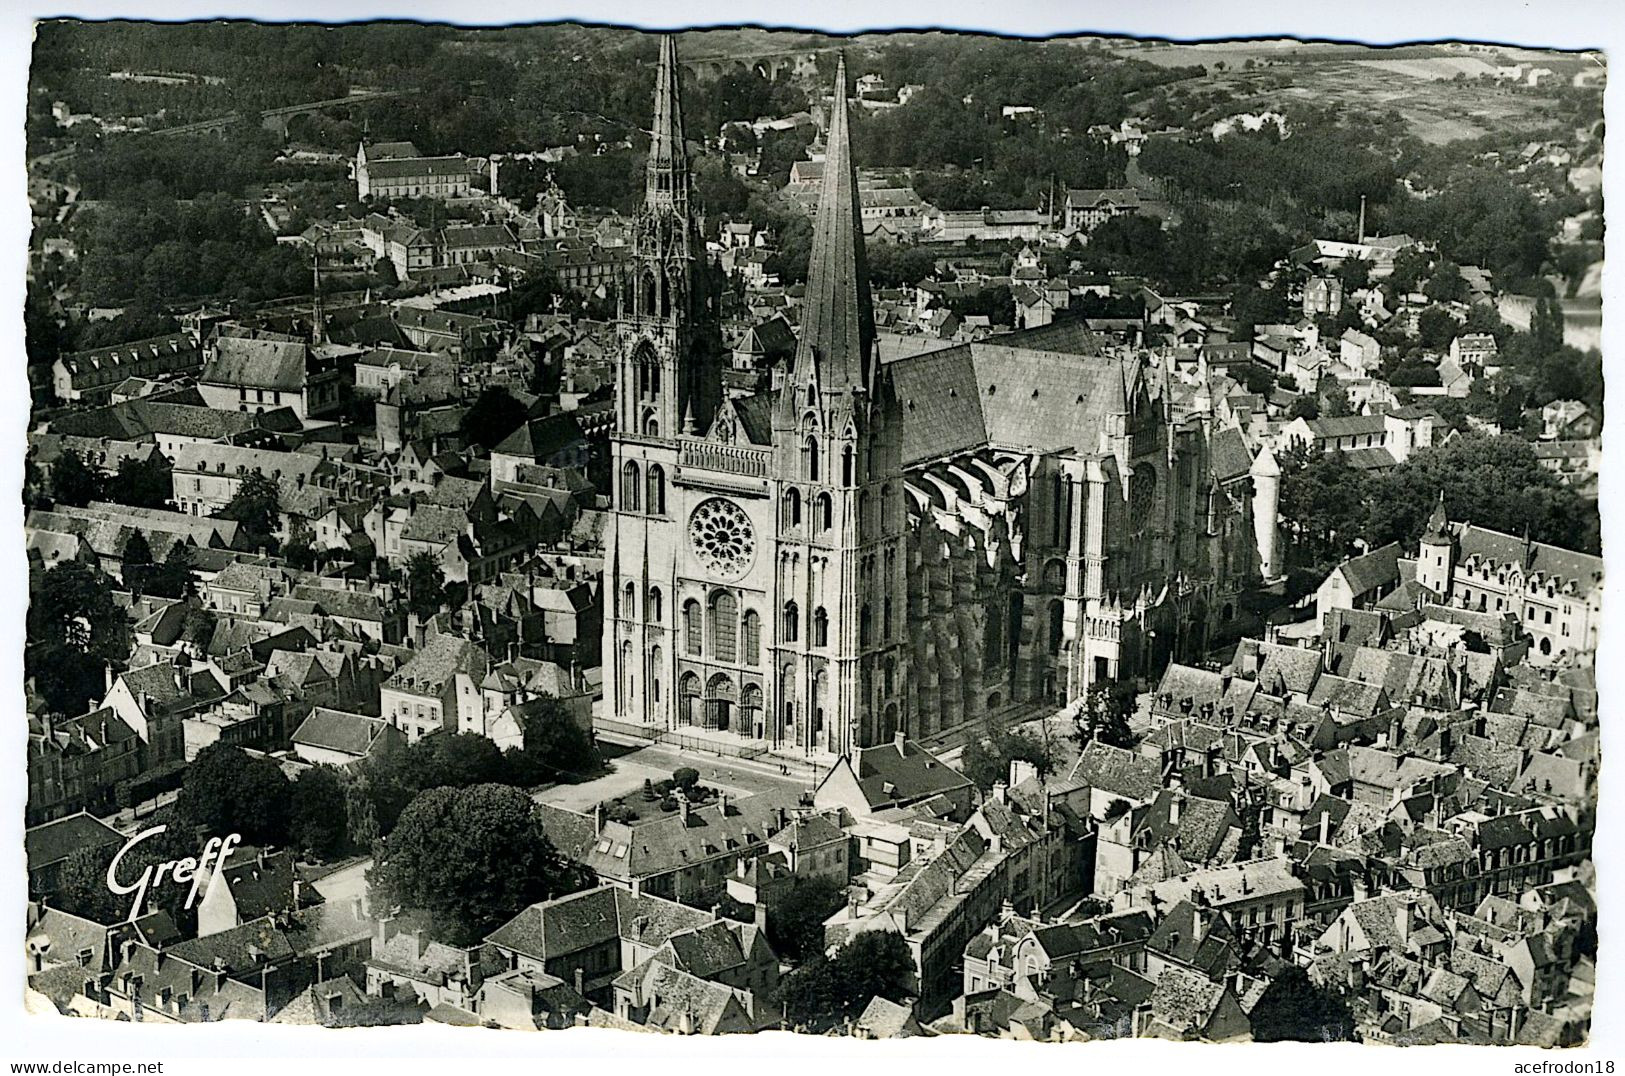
(720, 533)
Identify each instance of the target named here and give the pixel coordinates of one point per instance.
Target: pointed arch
(809, 458)
(750, 638)
(825, 512)
(631, 480)
(724, 624)
(656, 500)
(691, 627)
(848, 465)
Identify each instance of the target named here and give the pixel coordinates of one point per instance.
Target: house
(254, 374)
(1358, 351)
(91, 376)
(1323, 297)
(1567, 420)
(336, 738)
(437, 690)
(395, 170)
(1085, 210)
(49, 845)
(1360, 582)
(891, 775)
(687, 856)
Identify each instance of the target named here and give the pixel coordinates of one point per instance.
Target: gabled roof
(241, 362)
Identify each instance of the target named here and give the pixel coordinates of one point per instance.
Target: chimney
(1176, 804)
(898, 740)
(597, 818)
(580, 980)
(1001, 792)
(682, 805)
(419, 942)
(1325, 827)
(760, 916)
(722, 803)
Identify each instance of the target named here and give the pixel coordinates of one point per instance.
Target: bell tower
(837, 461)
(669, 378)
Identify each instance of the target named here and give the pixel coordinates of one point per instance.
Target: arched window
(691, 627)
(820, 696)
(825, 512)
(1055, 575)
(656, 610)
(627, 665)
(1055, 617)
(652, 678)
(820, 627)
(629, 601)
(885, 622)
(751, 638)
(809, 459)
(651, 426)
(848, 471)
(656, 500)
(865, 523)
(792, 508)
(866, 624)
(688, 691)
(889, 676)
(787, 695)
(724, 625)
(792, 622)
(750, 706)
(630, 479)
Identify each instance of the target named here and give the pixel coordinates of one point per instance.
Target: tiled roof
(52, 842)
(336, 730)
(257, 364)
(1118, 771)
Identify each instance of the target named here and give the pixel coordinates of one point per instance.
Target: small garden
(659, 798)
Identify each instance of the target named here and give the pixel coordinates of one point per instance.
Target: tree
(1435, 328)
(256, 507)
(82, 885)
(175, 577)
(1334, 398)
(1304, 406)
(142, 483)
(1293, 1009)
(1322, 503)
(137, 565)
(425, 585)
(986, 760)
(75, 631)
(226, 790)
(73, 482)
(554, 745)
(493, 417)
(1106, 713)
(1355, 274)
(471, 858)
(830, 989)
(316, 825)
(1446, 284)
(457, 759)
(795, 922)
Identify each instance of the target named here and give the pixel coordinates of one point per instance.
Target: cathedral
(898, 546)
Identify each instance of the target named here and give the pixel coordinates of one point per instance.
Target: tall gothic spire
(838, 323)
(666, 175)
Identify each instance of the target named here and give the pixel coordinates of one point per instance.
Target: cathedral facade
(892, 547)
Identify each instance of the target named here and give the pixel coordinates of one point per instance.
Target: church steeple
(670, 378)
(666, 176)
(838, 326)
